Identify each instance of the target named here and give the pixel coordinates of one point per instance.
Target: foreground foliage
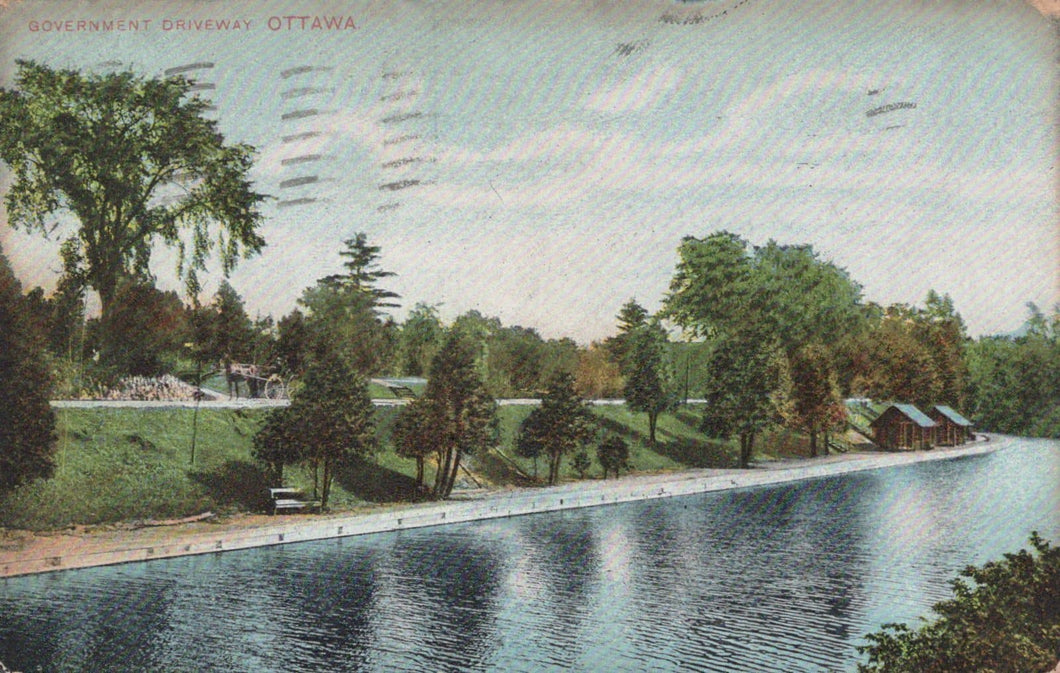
(1007, 619)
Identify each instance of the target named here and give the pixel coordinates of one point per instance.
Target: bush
(1008, 621)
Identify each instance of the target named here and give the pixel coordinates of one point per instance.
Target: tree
(895, 364)
(1015, 380)
(756, 307)
(613, 454)
(27, 422)
(1006, 620)
(941, 329)
(802, 298)
(144, 330)
(815, 396)
(581, 462)
(67, 305)
(596, 374)
(330, 420)
(516, 359)
(561, 425)
(421, 337)
(292, 343)
(344, 316)
(741, 390)
(453, 417)
(631, 317)
(714, 289)
(362, 272)
(136, 162)
(277, 443)
(231, 332)
(413, 436)
(649, 378)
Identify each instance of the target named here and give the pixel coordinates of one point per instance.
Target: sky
(540, 161)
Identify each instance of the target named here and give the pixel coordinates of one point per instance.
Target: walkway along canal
(62, 552)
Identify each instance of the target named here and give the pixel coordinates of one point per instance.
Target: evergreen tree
(330, 420)
(631, 317)
(277, 443)
(454, 417)
(343, 313)
(561, 425)
(362, 272)
(613, 454)
(27, 422)
(649, 378)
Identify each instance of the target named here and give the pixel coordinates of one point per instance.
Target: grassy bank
(134, 464)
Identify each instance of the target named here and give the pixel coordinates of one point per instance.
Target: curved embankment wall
(136, 546)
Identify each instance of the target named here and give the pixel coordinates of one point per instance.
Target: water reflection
(782, 578)
(445, 595)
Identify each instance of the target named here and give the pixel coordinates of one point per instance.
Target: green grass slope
(134, 464)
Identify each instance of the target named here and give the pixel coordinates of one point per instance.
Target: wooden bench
(290, 499)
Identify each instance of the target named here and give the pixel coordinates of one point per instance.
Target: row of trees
(787, 337)
(1014, 380)
(330, 420)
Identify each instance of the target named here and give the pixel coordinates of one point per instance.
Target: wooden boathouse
(951, 428)
(903, 427)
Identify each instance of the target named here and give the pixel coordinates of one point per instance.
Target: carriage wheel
(275, 388)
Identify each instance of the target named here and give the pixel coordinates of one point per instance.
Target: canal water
(780, 578)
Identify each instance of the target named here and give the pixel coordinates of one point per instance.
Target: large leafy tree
(135, 162)
(560, 426)
(893, 363)
(802, 299)
(757, 306)
(27, 423)
(742, 390)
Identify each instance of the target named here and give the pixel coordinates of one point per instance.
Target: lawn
(135, 464)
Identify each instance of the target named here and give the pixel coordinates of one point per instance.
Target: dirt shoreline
(24, 553)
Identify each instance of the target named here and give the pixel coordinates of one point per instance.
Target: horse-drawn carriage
(271, 387)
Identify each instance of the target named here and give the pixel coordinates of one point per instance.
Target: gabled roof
(954, 417)
(910, 412)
